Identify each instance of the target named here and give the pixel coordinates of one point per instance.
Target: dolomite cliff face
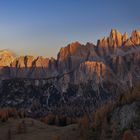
(28, 67)
(6, 58)
(72, 55)
(90, 72)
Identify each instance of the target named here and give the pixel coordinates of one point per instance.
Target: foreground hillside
(123, 123)
(114, 120)
(35, 130)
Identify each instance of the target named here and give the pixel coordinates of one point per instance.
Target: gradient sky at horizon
(42, 27)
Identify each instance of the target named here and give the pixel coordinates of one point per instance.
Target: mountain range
(88, 73)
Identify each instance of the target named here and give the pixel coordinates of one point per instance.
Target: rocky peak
(23, 61)
(125, 37)
(75, 49)
(92, 54)
(135, 37)
(29, 61)
(41, 62)
(74, 46)
(72, 55)
(70, 49)
(115, 38)
(103, 42)
(134, 40)
(115, 33)
(6, 57)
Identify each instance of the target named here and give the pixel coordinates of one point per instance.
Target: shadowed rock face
(100, 71)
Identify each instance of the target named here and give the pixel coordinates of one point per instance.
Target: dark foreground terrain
(115, 120)
(36, 130)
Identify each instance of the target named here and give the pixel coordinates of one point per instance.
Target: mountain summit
(6, 57)
(117, 39)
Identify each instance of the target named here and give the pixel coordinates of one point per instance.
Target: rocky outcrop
(40, 68)
(134, 40)
(21, 66)
(23, 61)
(29, 67)
(72, 55)
(6, 58)
(108, 45)
(115, 38)
(135, 37)
(125, 37)
(115, 41)
(90, 71)
(126, 116)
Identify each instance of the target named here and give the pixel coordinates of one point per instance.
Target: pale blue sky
(42, 27)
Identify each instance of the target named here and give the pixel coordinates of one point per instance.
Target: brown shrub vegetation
(56, 138)
(84, 125)
(101, 116)
(128, 135)
(58, 120)
(101, 113)
(5, 113)
(126, 98)
(21, 127)
(50, 119)
(129, 96)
